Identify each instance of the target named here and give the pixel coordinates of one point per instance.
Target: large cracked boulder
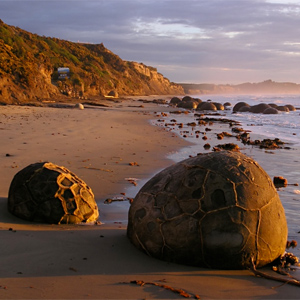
(217, 210)
(46, 192)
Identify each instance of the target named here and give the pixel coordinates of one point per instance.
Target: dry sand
(98, 262)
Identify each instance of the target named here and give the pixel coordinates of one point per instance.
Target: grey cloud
(188, 40)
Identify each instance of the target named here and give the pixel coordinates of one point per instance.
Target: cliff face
(29, 63)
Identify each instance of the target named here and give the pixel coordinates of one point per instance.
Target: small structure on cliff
(63, 73)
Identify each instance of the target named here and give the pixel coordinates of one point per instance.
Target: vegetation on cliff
(29, 63)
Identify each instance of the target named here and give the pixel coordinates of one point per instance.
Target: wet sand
(41, 261)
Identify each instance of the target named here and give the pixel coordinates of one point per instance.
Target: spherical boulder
(175, 101)
(283, 108)
(273, 105)
(198, 100)
(239, 105)
(189, 104)
(206, 106)
(187, 98)
(259, 108)
(290, 107)
(219, 106)
(244, 109)
(217, 210)
(46, 192)
(270, 111)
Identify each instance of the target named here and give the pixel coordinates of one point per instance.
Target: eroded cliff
(29, 63)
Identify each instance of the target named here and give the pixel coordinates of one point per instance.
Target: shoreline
(98, 262)
(98, 144)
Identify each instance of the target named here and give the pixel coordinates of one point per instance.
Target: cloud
(222, 41)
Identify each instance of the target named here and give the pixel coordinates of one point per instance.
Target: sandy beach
(40, 261)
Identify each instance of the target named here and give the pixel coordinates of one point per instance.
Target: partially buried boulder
(218, 210)
(239, 105)
(270, 111)
(244, 109)
(259, 108)
(283, 108)
(189, 104)
(206, 106)
(175, 101)
(46, 192)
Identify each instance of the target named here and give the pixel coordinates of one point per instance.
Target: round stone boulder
(283, 108)
(270, 111)
(217, 210)
(290, 107)
(245, 109)
(219, 106)
(239, 105)
(189, 104)
(187, 98)
(46, 192)
(273, 105)
(259, 108)
(175, 101)
(206, 106)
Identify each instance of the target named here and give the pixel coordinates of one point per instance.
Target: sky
(191, 41)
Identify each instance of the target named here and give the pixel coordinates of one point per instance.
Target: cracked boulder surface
(217, 210)
(46, 192)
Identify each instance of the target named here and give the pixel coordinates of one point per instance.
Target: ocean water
(279, 162)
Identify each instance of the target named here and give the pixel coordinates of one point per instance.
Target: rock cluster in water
(197, 104)
(262, 108)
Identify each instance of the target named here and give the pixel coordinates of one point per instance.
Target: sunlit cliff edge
(29, 70)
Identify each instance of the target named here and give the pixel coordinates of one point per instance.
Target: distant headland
(265, 87)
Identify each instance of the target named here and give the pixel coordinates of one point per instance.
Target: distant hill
(265, 87)
(29, 70)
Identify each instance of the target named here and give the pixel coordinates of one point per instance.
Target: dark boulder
(259, 108)
(175, 101)
(187, 98)
(189, 104)
(239, 105)
(219, 106)
(206, 106)
(283, 108)
(245, 109)
(290, 107)
(197, 100)
(270, 111)
(273, 105)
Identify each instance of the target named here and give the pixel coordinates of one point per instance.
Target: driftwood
(290, 280)
(181, 292)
